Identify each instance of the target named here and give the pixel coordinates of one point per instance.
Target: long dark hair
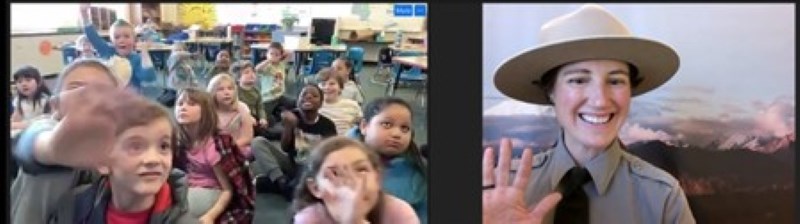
(206, 127)
(413, 152)
(303, 196)
(42, 91)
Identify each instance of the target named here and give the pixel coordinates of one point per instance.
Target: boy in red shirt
(107, 157)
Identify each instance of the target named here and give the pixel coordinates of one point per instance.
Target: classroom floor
(272, 208)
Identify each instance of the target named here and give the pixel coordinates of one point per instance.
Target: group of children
(345, 163)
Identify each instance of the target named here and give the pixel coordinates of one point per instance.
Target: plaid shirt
(237, 167)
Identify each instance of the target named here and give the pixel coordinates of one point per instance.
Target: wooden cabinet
(151, 11)
(102, 17)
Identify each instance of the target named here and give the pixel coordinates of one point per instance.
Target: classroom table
(201, 41)
(409, 48)
(159, 54)
(300, 51)
(414, 61)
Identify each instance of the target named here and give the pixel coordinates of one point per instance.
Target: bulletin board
(203, 14)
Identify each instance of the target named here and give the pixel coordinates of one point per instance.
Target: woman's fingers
(488, 166)
(504, 164)
(524, 170)
(544, 206)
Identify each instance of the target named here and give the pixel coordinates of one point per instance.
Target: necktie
(574, 206)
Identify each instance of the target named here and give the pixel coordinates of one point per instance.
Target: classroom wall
(25, 51)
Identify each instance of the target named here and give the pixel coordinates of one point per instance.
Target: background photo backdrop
(724, 125)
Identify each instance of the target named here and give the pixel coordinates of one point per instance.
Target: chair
(384, 63)
(356, 56)
(69, 53)
(409, 74)
(319, 60)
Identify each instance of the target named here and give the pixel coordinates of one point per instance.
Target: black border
(454, 114)
(6, 86)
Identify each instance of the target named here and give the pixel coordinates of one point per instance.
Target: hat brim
(515, 77)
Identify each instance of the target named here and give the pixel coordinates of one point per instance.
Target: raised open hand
(504, 202)
(84, 12)
(343, 194)
(89, 119)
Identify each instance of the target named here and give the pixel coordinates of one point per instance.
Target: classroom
(382, 46)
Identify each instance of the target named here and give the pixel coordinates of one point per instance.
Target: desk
(207, 40)
(414, 61)
(372, 49)
(300, 52)
(410, 48)
(197, 43)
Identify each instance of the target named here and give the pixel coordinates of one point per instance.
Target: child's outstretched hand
(84, 7)
(263, 123)
(146, 45)
(344, 191)
(89, 117)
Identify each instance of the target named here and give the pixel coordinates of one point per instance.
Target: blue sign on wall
(420, 10)
(403, 10)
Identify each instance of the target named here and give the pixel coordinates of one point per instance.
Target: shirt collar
(601, 168)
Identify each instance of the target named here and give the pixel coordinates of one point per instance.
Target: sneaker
(262, 184)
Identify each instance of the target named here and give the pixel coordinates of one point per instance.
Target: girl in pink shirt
(341, 184)
(211, 188)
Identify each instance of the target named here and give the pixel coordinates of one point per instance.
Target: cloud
(695, 90)
(732, 109)
(513, 107)
(682, 100)
(647, 108)
(777, 118)
(515, 143)
(635, 132)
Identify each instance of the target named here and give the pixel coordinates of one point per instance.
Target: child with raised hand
(350, 90)
(271, 75)
(134, 68)
(220, 185)
(128, 177)
(32, 98)
(387, 128)
(248, 94)
(303, 128)
(235, 118)
(341, 184)
(344, 112)
(84, 48)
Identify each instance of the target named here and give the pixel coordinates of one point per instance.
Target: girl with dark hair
(32, 97)
(387, 129)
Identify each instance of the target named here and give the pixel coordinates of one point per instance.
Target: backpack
(237, 167)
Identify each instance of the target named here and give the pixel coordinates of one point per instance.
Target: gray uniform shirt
(625, 189)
